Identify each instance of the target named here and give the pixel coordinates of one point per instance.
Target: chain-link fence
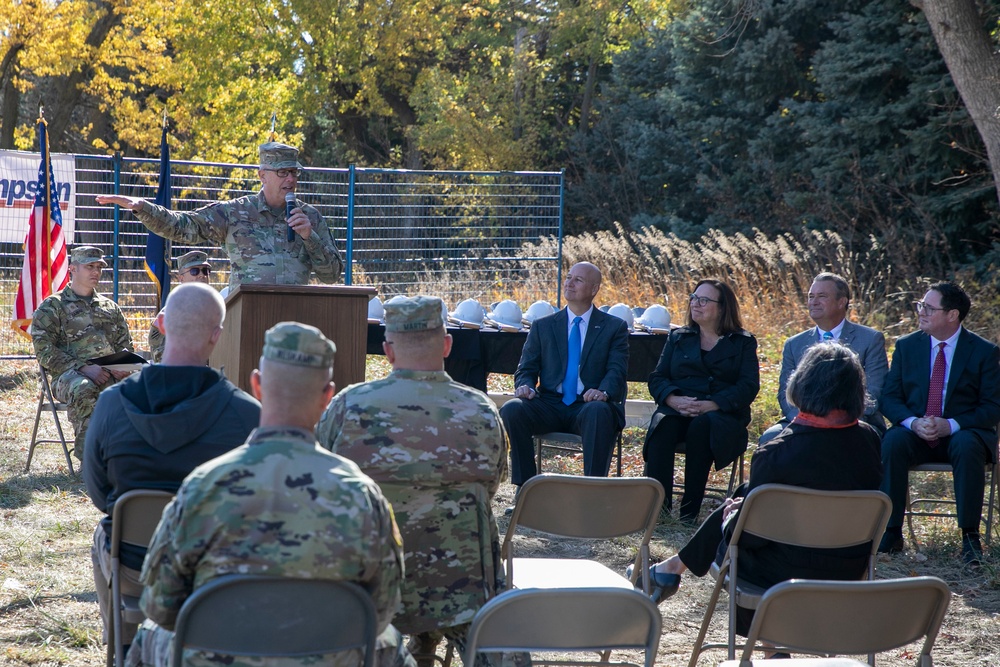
(484, 235)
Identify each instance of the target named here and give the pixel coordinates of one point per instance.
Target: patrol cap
(298, 345)
(276, 156)
(86, 254)
(417, 313)
(192, 259)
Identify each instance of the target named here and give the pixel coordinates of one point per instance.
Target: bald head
(291, 395)
(192, 322)
(581, 286)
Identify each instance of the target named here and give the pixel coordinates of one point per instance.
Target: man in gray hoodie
(159, 425)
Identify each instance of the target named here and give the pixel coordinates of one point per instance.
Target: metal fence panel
(454, 234)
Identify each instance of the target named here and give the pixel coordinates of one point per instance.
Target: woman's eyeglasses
(702, 300)
(203, 270)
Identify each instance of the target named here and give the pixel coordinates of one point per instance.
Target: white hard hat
(656, 317)
(375, 309)
(622, 311)
(538, 309)
(470, 312)
(507, 313)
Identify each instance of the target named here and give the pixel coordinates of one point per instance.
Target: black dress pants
(595, 422)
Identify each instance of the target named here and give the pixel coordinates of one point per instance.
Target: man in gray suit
(828, 300)
(557, 389)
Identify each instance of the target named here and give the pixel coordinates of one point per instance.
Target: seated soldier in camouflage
(192, 267)
(254, 229)
(277, 505)
(73, 326)
(438, 451)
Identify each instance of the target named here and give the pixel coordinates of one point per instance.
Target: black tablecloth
(476, 353)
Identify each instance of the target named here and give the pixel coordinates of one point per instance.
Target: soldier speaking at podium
(265, 245)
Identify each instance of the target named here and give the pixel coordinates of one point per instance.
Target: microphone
(289, 207)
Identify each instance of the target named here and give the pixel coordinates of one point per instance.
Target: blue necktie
(827, 335)
(572, 363)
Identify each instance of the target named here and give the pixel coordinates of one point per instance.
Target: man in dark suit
(828, 302)
(557, 390)
(942, 396)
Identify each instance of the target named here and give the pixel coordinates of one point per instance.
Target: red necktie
(936, 388)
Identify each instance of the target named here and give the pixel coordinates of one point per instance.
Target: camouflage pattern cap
(299, 345)
(276, 156)
(192, 259)
(86, 254)
(417, 313)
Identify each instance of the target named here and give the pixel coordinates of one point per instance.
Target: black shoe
(891, 544)
(661, 585)
(972, 550)
(508, 511)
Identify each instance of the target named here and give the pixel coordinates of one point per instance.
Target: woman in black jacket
(703, 385)
(826, 448)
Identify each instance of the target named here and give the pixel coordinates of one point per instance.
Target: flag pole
(274, 122)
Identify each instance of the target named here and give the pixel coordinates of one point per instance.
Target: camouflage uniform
(66, 331)
(255, 238)
(157, 342)
(438, 451)
(277, 505)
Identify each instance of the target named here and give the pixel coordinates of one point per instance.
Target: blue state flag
(157, 247)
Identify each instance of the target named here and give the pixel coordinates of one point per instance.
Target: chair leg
(908, 513)
(34, 430)
(732, 476)
(709, 611)
(620, 453)
(62, 438)
(110, 659)
(994, 469)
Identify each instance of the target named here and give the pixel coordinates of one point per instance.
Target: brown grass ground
(48, 608)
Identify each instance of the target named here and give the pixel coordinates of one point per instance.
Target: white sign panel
(18, 185)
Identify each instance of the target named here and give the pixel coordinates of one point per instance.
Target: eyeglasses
(203, 270)
(702, 300)
(285, 173)
(922, 307)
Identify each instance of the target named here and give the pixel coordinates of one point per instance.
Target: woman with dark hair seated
(703, 385)
(825, 448)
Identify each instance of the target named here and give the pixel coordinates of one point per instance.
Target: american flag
(45, 268)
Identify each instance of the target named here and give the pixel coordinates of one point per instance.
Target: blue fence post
(562, 204)
(349, 250)
(116, 163)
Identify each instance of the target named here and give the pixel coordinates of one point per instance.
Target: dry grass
(48, 610)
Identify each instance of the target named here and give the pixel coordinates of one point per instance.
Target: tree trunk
(960, 32)
(70, 88)
(9, 112)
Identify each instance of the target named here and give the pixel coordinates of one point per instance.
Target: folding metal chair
(992, 472)
(264, 616)
(47, 400)
(796, 516)
(566, 620)
(571, 443)
(582, 508)
(133, 521)
(737, 476)
(852, 617)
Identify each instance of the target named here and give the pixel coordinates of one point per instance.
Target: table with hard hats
(490, 341)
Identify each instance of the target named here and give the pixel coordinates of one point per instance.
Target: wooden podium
(339, 311)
